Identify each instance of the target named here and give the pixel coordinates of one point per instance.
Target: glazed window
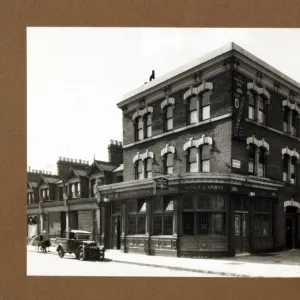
(169, 163)
(136, 217)
(286, 120)
(205, 106)
(251, 159)
(148, 121)
(262, 218)
(261, 162)
(285, 168)
(261, 110)
(168, 118)
(193, 114)
(293, 170)
(204, 215)
(193, 164)
(294, 124)
(163, 216)
(251, 106)
(148, 164)
(139, 129)
(205, 158)
(92, 184)
(139, 169)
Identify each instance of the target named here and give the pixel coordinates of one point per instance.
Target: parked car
(80, 243)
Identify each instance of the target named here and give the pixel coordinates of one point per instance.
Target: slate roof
(106, 166)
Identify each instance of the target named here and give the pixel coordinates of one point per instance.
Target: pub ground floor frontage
(199, 216)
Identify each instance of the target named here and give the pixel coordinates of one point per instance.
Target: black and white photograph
(163, 152)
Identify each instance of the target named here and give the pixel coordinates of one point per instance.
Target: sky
(76, 76)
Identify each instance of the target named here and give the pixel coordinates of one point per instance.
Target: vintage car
(79, 242)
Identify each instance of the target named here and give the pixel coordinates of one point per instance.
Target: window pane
(188, 222)
(205, 152)
(193, 104)
(205, 166)
(141, 206)
(257, 205)
(157, 224)
(116, 207)
(140, 123)
(169, 170)
(169, 112)
(257, 225)
(251, 151)
(266, 206)
(132, 206)
(157, 205)
(218, 202)
(170, 124)
(261, 170)
(266, 225)
(131, 224)
(203, 220)
(261, 117)
(140, 134)
(203, 202)
(251, 99)
(293, 130)
(285, 126)
(141, 224)
(168, 204)
(194, 167)
(168, 224)
(205, 99)
(188, 202)
(193, 155)
(148, 120)
(149, 131)
(149, 164)
(261, 103)
(149, 174)
(170, 160)
(193, 117)
(251, 112)
(250, 167)
(218, 223)
(205, 112)
(284, 176)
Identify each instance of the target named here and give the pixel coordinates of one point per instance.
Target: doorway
(116, 232)
(241, 232)
(291, 228)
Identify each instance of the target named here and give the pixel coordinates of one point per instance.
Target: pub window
(193, 164)
(205, 106)
(192, 110)
(251, 106)
(169, 163)
(148, 164)
(262, 217)
(168, 118)
(251, 159)
(262, 162)
(205, 158)
(139, 166)
(137, 217)
(139, 129)
(285, 167)
(163, 216)
(293, 170)
(286, 120)
(116, 207)
(204, 215)
(261, 110)
(148, 121)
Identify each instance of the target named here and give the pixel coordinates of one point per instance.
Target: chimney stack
(115, 152)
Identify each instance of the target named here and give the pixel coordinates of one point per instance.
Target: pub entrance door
(241, 232)
(291, 226)
(116, 232)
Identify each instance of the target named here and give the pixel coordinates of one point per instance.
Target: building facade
(210, 162)
(66, 201)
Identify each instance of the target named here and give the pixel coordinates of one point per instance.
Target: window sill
(272, 129)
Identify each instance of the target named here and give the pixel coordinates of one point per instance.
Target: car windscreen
(82, 236)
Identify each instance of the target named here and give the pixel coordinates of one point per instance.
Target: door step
(243, 254)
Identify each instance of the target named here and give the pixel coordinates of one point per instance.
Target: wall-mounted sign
(236, 163)
(161, 183)
(204, 187)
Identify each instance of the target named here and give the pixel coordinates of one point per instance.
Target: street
(49, 264)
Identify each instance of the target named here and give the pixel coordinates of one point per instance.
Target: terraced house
(58, 203)
(210, 158)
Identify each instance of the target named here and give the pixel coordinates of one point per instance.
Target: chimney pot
(59, 158)
(120, 143)
(116, 142)
(64, 159)
(111, 141)
(80, 161)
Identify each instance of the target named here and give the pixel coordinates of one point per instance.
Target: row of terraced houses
(208, 166)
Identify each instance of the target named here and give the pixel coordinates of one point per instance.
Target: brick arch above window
(258, 90)
(143, 156)
(142, 112)
(168, 101)
(259, 143)
(204, 86)
(197, 143)
(291, 153)
(291, 106)
(167, 149)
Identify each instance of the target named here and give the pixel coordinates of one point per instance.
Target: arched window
(139, 169)
(205, 158)
(139, 129)
(193, 163)
(251, 159)
(251, 106)
(192, 110)
(148, 163)
(169, 163)
(285, 168)
(168, 118)
(148, 127)
(286, 119)
(294, 123)
(205, 106)
(261, 162)
(261, 110)
(293, 170)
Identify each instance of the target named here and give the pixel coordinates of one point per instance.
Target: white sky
(76, 76)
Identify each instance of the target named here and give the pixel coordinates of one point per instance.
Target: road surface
(49, 264)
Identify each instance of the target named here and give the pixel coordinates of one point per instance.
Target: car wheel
(61, 252)
(81, 254)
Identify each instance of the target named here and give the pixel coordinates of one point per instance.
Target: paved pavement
(281, 264)
(41, 264)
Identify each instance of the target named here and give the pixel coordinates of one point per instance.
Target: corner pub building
(210, 154)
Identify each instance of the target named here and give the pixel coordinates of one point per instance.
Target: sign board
(239, 105)
(236, 163)
(204, 187)
(161, 183)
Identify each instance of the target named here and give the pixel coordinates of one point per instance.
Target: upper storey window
(143, 123)
(168, 154)
(167, 108)
(143, 164)
(198, 102)
(290, 158)
(258, 99)
(291, 112)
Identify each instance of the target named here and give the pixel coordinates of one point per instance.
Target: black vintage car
(79, 242)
